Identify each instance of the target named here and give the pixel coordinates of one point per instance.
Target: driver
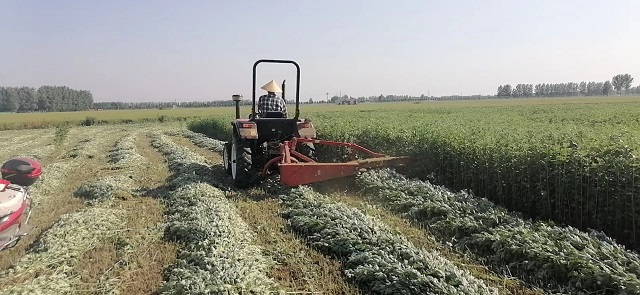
(271, 102)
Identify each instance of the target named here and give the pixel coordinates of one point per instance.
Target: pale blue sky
(204, 50)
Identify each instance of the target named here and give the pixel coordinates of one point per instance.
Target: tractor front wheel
(241, 163)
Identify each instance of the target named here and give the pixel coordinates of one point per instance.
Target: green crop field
(44, 120)
(501, 198)
(574, 161)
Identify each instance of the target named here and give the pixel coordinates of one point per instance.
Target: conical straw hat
(271, 87)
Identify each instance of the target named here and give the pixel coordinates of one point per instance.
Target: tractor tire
(308, 149)
(241, 170)
(226, 157)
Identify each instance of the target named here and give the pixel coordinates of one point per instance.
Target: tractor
(265, 144)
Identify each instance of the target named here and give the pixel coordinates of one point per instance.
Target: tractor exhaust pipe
(237, 98)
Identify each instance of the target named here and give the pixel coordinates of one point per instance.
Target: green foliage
(162, 118)
(572, 163)
(377, 259)
(61, 134)
(89, 121)
(44, 99)
(217, 253)
(621, 81)
(560, 259)
(218, 127)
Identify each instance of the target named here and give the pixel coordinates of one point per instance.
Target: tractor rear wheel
(308, 149)
(241, 163)
(226, 157)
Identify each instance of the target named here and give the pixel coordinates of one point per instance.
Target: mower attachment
(297, 169)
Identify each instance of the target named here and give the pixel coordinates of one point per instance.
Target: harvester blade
(301, 173)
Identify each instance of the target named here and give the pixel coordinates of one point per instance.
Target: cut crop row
(554, 258)
(203, 141)
(217, 254)
(124, 158)
(376, 259)
(51, 266)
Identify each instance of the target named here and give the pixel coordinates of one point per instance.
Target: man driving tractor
(271, 102)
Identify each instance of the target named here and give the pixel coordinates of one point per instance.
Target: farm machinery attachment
(270, 143)
(297, 169)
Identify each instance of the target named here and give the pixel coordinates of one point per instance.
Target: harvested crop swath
(202, 140)
(378, 260)
(124, 158)
(217, 255)
(50, 268)
(185, 165)
(124, 154)
(554, 258)
(105, 188)
(27, 143)
(54, 175)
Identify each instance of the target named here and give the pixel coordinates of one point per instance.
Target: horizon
(202, 51)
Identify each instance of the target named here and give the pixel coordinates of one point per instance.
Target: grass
(10, 121)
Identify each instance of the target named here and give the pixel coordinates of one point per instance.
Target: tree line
(618, 83)
(44, 99)
(65, 99)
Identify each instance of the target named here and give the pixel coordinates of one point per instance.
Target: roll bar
(255, 65)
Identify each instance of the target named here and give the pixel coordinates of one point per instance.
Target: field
(44, 120)
(502, 199)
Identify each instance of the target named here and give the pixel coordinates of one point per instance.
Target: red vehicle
(18, 175)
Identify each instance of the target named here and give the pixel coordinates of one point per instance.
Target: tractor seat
(279, 115)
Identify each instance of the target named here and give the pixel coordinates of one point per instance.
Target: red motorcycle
(18, 175)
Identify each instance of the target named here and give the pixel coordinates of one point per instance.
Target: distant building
(346, 101)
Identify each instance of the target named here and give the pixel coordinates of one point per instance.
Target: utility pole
(327, 96)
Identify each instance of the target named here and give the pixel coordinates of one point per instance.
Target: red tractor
(272, 143)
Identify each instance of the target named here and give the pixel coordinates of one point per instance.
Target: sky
(205, 50)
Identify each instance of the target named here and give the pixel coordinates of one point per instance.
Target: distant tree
(310, 100)
(519, 90)
(617, 82)
(627, 81)
(621, 81)
(583, 88)
(607, 88)
(27, 101)
(539, 90)
(504, 91)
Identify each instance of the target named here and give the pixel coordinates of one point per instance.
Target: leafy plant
(555, 258)
(61, 134)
